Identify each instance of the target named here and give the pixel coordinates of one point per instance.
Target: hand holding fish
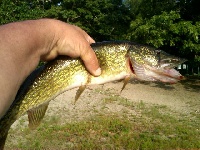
(23, 44)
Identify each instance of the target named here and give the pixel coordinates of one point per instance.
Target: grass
(152, 127)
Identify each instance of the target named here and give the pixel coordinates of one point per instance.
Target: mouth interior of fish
(165, 73)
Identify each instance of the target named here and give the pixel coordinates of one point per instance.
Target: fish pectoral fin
(35, 115)
(79, 92)
(126, 80)
(3, 140)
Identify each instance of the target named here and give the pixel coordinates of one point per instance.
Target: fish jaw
(149, 64)
(149, 73)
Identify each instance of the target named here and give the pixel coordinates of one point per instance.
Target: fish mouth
(164, 73)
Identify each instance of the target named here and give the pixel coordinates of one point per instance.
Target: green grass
(154, 127)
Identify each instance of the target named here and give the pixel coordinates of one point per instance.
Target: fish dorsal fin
(35, 115)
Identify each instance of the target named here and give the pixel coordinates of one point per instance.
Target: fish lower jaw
(167, 75)
(150, 75)
(170, 76)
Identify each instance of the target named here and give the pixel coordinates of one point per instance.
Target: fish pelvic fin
(126, 80)
(3, 140)
(35, 115)
(79, 92)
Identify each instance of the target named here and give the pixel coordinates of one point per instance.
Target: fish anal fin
(35, 115)
(126, 80)
(3, 140)
(79, 92)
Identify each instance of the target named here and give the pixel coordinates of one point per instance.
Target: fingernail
(98, 72)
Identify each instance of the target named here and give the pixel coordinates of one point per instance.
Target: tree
(14, 10)
(166, 24)
(102, 19)
(134, 6)
(168, 31)
(149, 8)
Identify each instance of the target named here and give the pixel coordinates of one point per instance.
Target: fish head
(149, 64)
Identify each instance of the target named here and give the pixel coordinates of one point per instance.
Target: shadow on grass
(165, 86)
(191, 83)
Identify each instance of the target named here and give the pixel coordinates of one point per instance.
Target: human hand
(72, 41)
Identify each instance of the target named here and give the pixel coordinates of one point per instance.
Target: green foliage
(134, 6)
(104, 20)
(11, 11)
(169, 31)
(149, 8)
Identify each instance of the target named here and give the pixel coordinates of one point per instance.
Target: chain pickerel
(118, 60)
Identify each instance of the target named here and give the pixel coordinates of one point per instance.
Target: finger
(90, 40)
(90, 60)
(87, 37)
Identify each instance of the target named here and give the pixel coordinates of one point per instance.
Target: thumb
(90, 60)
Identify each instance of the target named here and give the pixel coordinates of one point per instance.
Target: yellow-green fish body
(120, 60)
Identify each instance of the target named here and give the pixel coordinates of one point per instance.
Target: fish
(119, 60)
